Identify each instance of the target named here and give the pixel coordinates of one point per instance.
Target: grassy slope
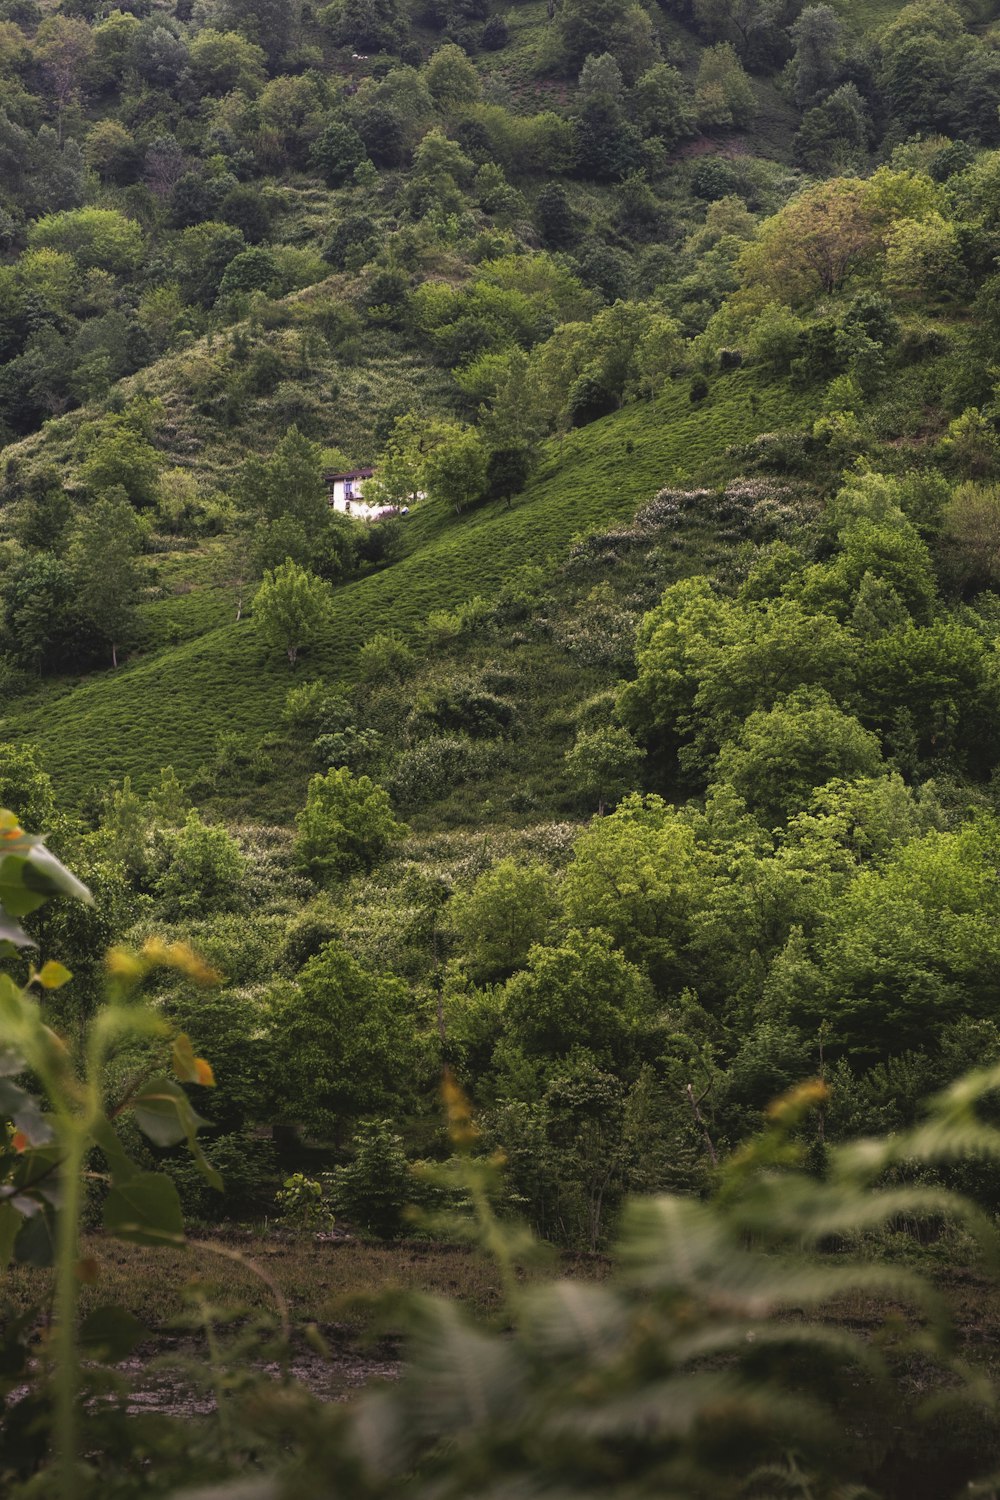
(870, 15)
(168, 707)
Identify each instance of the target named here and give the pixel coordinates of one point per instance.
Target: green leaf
(111, 1333)
(41, 872)
(121, 1166)
(145, 1210)
(161, 1112)
(164, 1113)
(12, 934)
(18, 1105)
(185, 1064)
(34, 1178)
(35, 1244)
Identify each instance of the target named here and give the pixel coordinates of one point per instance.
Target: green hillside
(168, 708)
(500, 610)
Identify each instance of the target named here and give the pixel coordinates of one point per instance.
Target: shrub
(385, 658)
(198, 868)
(302, 1202)
(375, 1189)
(461, 706)
(347, 824)
(248, 1166)
(437, 765)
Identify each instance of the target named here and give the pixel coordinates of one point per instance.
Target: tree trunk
(114, 653)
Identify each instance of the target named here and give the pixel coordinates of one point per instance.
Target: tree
(122, 458)
(639, 876)
(347, 824)
(818, 34)
(337, 152)
(95, 237)
(604, 764)
(661, 104)
(64, 46)
(835, 134)
(201, 254)
(253, 270)
(580, 994)
(922, 52)
(41, 622)
(723, 93)
(815, 242)
(912, 945)
(158, 56)
(343, 1043)
(923, 259)
(971, 537)
(287, 486)
(451, 77)
(291, 608)
(197, 868)
(937, 682)
(223, 61)
(606, 144)
(112, 152)
(25, 786)
(501, 916)
(587, 28)
(601, 78)
(557, 222)
(508, 471)
(781, 754)
(269, 23)
(103, 562)
(892, 552)
(365, 25)
(455, 471)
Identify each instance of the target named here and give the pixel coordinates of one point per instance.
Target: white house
(345, 492)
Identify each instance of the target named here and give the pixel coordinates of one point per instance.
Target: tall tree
(269, 23)
(103, 562)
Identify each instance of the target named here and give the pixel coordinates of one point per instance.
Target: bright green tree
(290, 608)
(639, 876)
(500, 916)
(95, 237)
(580, 994)
(342, 1043)
(103, 561)
(783, 753)
(347, 824)
(199, 868)
(604, 764)
(455, 471)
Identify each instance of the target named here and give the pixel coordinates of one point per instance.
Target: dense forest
(634, 765)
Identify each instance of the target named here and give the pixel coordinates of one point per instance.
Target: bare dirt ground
(156, 1387)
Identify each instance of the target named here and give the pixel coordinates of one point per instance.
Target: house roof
(349, 474)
